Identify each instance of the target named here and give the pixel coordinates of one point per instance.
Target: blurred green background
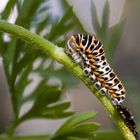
(26, 73)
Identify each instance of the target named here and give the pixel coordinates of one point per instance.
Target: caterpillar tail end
(128, 119)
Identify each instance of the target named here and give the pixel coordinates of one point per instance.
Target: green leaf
(60, 27)
(22, 83)
(55, 115)
(15, 59)
(87, 127)
(57, 110)
(59, 107)
(73, 122)
(42, 107)
(43, 96)
(79, 26)
(105, 20)
(114, 39)
(95, 21)
(108, 135)
(41, 88)
(62, 74)
(46, 95)
(27, 11)
(81, 131)
(7, 11)
(43, 8)
(42, 25)
(28, 58)
(9, 55)
(36, 137)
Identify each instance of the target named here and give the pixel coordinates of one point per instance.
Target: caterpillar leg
(103, 90)
(92, 78)
(87, 71)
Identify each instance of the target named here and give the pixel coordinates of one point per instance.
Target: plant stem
(58, 54)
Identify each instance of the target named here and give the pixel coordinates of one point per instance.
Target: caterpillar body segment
(89, 52)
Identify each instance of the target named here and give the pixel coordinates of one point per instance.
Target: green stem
(58, 54)
(11, 129)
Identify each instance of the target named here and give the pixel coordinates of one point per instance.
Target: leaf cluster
(22, 63)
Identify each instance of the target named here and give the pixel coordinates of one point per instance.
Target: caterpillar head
(72, 44)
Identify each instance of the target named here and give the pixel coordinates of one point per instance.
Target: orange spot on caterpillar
(114, 95)
(88, 51)
(73, 39)
(101, 79)
(106, 85)
(92, 60)
(96, 73)
(90, 56)
(79, 46)
(92, 66)
(111, 91)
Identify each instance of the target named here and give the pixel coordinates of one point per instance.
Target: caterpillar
(88, 51)
(128, 118)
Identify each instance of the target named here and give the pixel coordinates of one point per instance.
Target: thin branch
(58, 54)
